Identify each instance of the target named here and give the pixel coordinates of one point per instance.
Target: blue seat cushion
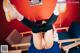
(74, 30)
(54, 49)
(63, 36)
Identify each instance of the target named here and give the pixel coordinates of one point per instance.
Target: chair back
(14, 37)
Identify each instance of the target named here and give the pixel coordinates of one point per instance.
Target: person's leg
(55, 34)
(49, 38)
(37, 40)
(32, 48)
(49, 32)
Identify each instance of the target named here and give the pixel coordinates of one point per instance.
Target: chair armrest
(67, 47)
(26, 32)
(68, 40)
(20, 45)
(70, 45)
(60, 41)
(63, 28)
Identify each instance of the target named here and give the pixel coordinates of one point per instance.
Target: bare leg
(49, 38)
(44, 40)
(37, 40)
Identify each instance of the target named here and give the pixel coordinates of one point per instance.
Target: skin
(43, 40)
(37, 40)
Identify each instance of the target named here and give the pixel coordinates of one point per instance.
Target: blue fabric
(64, 35)
(54, 49)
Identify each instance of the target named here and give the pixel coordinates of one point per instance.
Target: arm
(51, 20)
(59, 8)
(27, 23)
(46, 26)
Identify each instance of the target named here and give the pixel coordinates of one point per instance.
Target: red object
(37, 12)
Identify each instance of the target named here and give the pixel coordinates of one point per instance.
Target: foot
(60, 7)
(11, 12)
